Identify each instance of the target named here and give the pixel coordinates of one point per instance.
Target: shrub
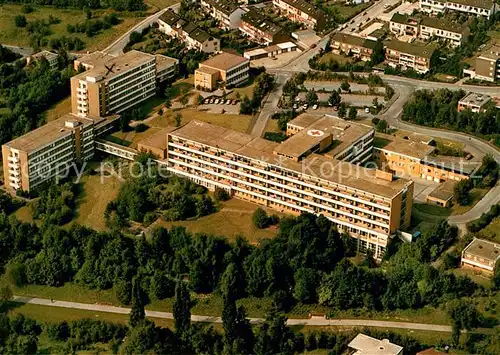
(221, 195)
(27, 9)
(260, 218)
(20, 21)
(123, 292)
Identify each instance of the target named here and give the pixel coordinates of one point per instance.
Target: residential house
(487, 65)
(416, 56)
(262, 30)
(356, 46)
(474, 7)
(481, 255)
(227, 12)
(302, 11)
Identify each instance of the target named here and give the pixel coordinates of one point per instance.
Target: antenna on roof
(110, 69)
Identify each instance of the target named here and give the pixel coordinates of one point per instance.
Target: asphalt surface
(315, 321)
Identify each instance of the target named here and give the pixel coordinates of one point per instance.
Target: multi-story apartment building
(294, 177)
(117, 84)
(166, 67)
(481, 255)
(487, 65)
(453, 33)
(224, 69)
(262, 30)
(410, 158)
(92, 60)
(303, 12)
(356, 46)
(473, 102)
(474, 7)
(227, 12)
(49, 151)
(194, 37)
(428, 27)
(416, 56)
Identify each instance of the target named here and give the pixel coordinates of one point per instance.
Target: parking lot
(218, 105)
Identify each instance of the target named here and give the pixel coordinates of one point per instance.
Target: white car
(295, 106)
(216, 101)
(315, 107)
(367, 110)
(304, 106)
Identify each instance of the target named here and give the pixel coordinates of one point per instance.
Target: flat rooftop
(354, 40)
(455, 164)
(50, 132)
(314, 165)
(158, 140)
(366, 345)
(492, 52)
(410, 148)
(117, 65)
(95, 59)
(315, 129)
(484, 249)
(445, 191)
(483, 4)
(475, 99)
(444, 24)
(224, 61)
(163, 62)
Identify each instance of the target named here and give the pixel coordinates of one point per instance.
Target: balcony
(13, 159)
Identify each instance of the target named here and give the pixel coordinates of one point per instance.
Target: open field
(96, 194)
(161, 4)
(10, 34)
(272, 126)
(233, 219)
(492, 231)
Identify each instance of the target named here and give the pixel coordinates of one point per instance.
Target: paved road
(372, 12)
(211, 319)
(23, 51)
(116, 48)
(270, 105)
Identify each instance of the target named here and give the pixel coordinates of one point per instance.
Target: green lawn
(432, 209)
(492, 231)
(161, 4)
(328, 57)
(347, 11)
(10, 34)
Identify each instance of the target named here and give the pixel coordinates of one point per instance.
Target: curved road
(212, 319)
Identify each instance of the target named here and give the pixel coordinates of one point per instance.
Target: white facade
(487, 9)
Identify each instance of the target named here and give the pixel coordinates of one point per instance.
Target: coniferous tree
(137, 313)
(182, 309)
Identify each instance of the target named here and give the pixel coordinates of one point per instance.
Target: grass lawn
(328, 57)
(24, 214)
(10, 34)
(59, 109)
(477, 277)
(432, 209)
(350, 11)
(445, 78)
(161, 4)
(233, 219)
(492, 231)
(245, 90)
(476, 194)
(272, 126)
(97, 193)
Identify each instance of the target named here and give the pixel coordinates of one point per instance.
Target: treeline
(56, 204)
(91, 27)
(7, 56)
(485, 178)
(18, 334)
(119, 5)
(29, 92)
(438, 108)
(264, 83)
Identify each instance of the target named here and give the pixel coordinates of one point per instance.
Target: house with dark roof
(474, 7)
(261, 29)
(402, 25)
(302, 11)
(194, 37)
(227, 12)
(356, 46)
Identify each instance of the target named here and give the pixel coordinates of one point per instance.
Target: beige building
(92, 60)
(49, 151)
(356, 46)
(261, 30)
(481, 255)
(313, 171)
(116, 84)
(365, 345)
(487, 65)
(412, 158)
(49, 56)
(473, 102)
(443, 194)
(416, 56)
(224, 69)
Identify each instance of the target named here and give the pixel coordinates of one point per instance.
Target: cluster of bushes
(439, 109)
(7, 56)
(56, 204)
(8, 204)
(283, 118)
(263, 85)
(91, 27)
(144, 198)
(18, 335)
(484, 220)
(275, 136)
(261, 219)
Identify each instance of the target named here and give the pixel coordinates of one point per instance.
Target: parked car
(211, 101)
(295, 106)
(367, 110)
(315, 107)
(228, 102)
(305, 106)
(335, 108)
(216, 101)
(206, 101)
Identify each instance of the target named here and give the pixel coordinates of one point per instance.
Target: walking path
(315, 321)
